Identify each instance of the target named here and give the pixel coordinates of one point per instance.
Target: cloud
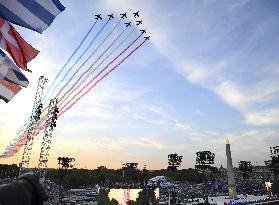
(226, 56)
(212, 45)
(117, 105)
(234, 96)
(123, 142)
(266, 117)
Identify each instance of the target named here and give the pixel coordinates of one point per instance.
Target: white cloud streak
(240, 94)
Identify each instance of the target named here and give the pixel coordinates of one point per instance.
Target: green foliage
(113, 202)
(8, 170)
(82, 177)
(275, 188)
(174, 161)
(103, 198)
(246, 169)
(75, 178)
(147, 196)
(131, 202)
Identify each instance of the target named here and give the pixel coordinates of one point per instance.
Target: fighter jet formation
(71, 89)
(127, 24)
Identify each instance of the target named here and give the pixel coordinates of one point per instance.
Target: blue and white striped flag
(10, 72)
(36, 15)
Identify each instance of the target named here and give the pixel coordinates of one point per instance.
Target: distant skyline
(210, 72)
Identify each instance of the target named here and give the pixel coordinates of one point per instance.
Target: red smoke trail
(24, 140)
(96, 76)
(41, 126)
(100, 79)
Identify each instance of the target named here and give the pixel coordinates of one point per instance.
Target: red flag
(8, 90)
(15, 45)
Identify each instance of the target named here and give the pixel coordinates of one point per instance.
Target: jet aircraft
(123, 15)
(98, 17)
(111, 16)
(143, 31)
(147, 37)
(136, 14)
(138, 22)
(128, 24)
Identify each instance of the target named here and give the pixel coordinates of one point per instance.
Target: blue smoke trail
(69, 59)
(77, 60)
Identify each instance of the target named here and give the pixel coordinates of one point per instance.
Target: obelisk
(231, 181)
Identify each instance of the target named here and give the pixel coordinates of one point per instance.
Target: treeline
(85, 177)
(8, 171)
(103, 176)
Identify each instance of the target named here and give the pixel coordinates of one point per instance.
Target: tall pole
(33, 119)
(49, 125)
(231, 180)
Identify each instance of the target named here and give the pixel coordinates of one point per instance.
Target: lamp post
(204, 160)
(64, 164)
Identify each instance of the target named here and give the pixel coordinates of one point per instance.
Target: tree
(273, 166)
(204, 161)
(9, 171)
(65, 163)
(144, 175)
(131, 202)
(114, 202)
(174, 161)
(147, 196)
(102, 168)
(131, 165)
(103, 198)
(245, 168)
(130, 171)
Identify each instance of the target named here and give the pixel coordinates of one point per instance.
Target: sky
(210, 72)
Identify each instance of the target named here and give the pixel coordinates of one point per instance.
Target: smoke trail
(16, 145)
(96, 49)
(77, 60)
(99, 80)
(69, 59)
(102, 70)
(14, 148)
(77, 84)
(21, 131)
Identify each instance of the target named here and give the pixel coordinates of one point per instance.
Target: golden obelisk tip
(227, 141)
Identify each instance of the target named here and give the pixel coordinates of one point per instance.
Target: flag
(15, 45)
(8, 90)
(10, 72)
(36, 15)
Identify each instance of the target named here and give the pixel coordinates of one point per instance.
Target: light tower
(50, 123)
(231, 181)
(32, 122)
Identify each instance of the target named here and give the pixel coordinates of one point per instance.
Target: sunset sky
(210, 72)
